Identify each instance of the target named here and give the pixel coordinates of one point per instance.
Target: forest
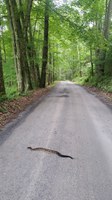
(42, 41)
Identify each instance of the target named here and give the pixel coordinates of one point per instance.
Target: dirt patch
(10, 109)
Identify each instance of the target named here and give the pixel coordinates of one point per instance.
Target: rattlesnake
(49, 151)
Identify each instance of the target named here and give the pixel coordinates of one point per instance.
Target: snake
(50, 151)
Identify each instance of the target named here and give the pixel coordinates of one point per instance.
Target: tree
(45, 45)
(56, 42)
(2, 87)
(19, 44)
(106, 29)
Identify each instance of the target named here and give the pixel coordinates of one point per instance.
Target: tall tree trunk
(107, 23)
(101, 53)
(108, 14)
(2, 87)
(53, 75)
(79, 60)
(25, 23)
(50, 79)
(29, 38)
(16, 43)
(45, 46)
(22, 68)
(34, 67)
(4, 49)
(91, 60)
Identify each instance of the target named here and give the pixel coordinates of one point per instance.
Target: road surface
(73, 122)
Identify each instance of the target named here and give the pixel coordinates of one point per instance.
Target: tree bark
(101, 53)
(34, 67)
(30, 46)
(12, 11)
(107, 20)
(45, 46)
(53, 68)
(91, 60)
(24, 15)
(22, 68)
(50, 74)
(2, 87)
(79, 61)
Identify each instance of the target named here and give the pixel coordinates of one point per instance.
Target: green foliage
(104, 83)
(74, 30)
(10, 77)
(3, 98)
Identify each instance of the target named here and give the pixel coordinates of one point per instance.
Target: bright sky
(60, 2)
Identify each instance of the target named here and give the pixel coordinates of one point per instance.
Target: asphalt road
(73, 122)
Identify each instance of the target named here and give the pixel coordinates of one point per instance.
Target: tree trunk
(101, 53)
(34, 67)
(45, 46)
(91, 60)
(16, 43)
(25, 23)
(50, 79)
(107, 20)
(79, 61)
(29, 38)
(19, 42)
(2, 87)
(53, 75)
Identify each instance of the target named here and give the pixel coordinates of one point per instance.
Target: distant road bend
(68, 120)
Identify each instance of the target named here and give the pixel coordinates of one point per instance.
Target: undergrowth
(104, 83)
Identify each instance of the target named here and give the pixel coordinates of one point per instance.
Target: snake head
(29, 148)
